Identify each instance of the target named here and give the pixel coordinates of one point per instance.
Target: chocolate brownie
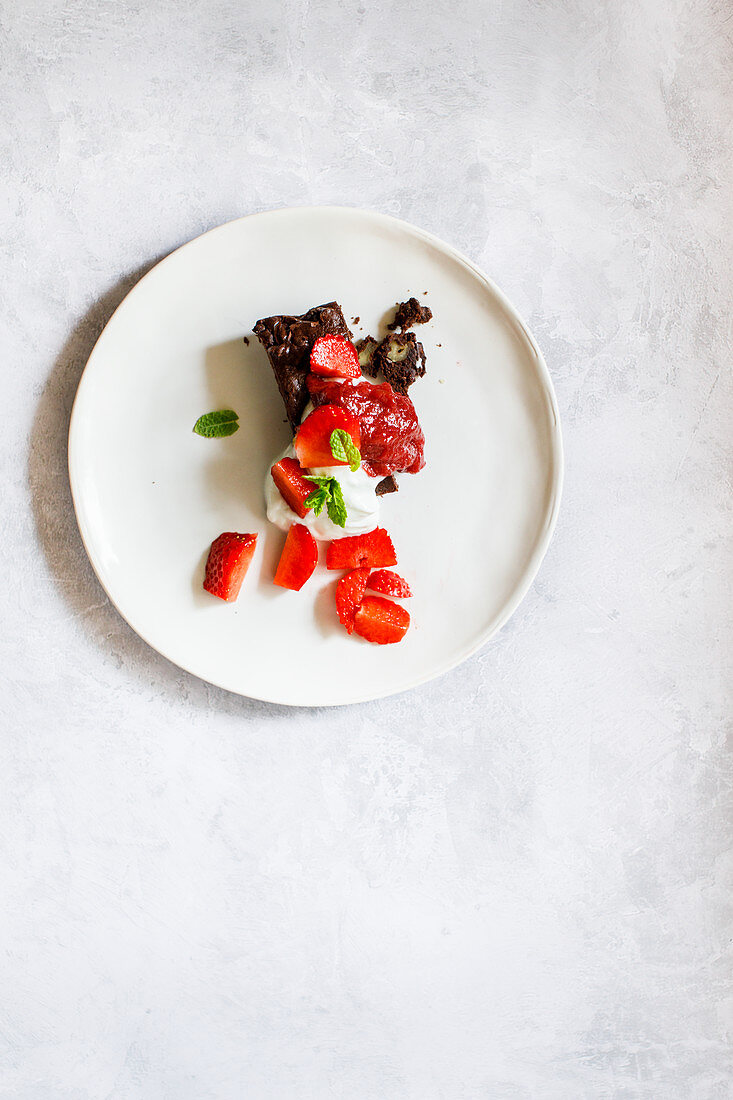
(410, 313)
(288, 342)
(401, 359)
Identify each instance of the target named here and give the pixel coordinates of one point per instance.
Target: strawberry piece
(374, 549)
(227, 563)
(389, 583)
(335, 357)
(381, 621)
(349, 594)
(294, 489)
(298, 559)
(313, 440)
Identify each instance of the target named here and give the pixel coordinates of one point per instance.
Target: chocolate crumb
(401, 359)
(356, 320)
(410, 313)
(246, 340)
(365, 349)
(386, 485)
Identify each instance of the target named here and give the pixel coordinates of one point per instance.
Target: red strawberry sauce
(391, 437)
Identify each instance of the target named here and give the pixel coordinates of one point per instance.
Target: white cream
(362, 503)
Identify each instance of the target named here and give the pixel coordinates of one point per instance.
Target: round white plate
(150, 496)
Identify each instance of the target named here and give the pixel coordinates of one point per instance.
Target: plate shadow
(58, 534)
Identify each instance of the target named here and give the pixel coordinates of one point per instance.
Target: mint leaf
(338, 450)
(216, 424)
(327, 494)
(344, 449)
(317, 500)
(320, 496)
(336, 505)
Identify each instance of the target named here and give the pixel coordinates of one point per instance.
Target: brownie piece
(410, 313)
(386, 485)
(365, 349)
(401, 359)
(288, 342)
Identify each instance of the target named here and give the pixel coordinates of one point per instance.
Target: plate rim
(555, 438)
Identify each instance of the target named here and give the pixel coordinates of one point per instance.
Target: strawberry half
(389, 583)
(374, 549)
(227, 563)
(335, 357)
(349, 594)
(381, 621)
(298, 559)
(294, 489)
(313, 439)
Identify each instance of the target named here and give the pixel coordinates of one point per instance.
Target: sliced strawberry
(298, 559)
(389, 583)
(335, 357)
(373, 550)
(227, 563)
(313, 440)
(349, 594)
(381, 621)
(294, 489)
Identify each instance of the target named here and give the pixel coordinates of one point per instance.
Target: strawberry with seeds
(374, 549)
(227, 563)
(335, 357)
(389, 584)
(313, 439)
(381, 621)
(349, 594)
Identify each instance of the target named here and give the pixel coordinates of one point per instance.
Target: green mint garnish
(336, 505)
(327, 494)
(317, 500)
(217, 424)
(344, 449)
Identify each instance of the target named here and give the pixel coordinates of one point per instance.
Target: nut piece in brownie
(365, 350)
(288, 342)
(401, 359)
(410, 313)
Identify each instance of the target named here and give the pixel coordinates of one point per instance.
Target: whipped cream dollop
(362, 503)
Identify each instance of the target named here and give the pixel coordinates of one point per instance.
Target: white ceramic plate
(150, 495)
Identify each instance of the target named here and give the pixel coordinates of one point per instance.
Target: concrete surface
(516, 882)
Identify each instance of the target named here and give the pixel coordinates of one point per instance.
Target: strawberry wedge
(381, 621)
(313, 439)
(374, 549)
(298, 559)
(335, 357)
(227, 563)
(292, 485)
(349, 594)
(389, 584)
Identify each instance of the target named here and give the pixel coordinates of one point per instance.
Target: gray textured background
(516, 882)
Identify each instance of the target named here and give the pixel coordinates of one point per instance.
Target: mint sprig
(318, 499)
(344, 449)
(336, 505)
(327, 494)
(214, 425)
